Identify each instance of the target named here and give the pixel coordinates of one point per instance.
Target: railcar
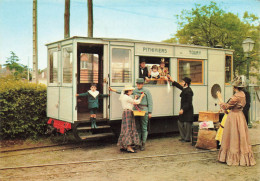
(76, 62)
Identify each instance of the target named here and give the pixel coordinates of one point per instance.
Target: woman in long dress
(128, 136)
(235, 145)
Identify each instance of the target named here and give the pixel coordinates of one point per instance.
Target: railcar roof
(136, 41)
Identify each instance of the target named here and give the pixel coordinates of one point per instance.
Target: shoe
(181, 140)
(142, 147)
(92, 123)
(130, 151)
(187, 140)
(123, 149)
(95, 123)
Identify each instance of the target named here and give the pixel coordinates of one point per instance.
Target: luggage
(209, 116)
(206, 139)
(195, 130)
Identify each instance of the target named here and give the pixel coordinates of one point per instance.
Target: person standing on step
(186, 110)
(93, 95)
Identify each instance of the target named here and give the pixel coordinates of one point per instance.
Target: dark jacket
(186, 103)
(93, 102)
(144, 74)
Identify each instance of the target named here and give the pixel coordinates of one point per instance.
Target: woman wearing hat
(235, 145)
(129, 135)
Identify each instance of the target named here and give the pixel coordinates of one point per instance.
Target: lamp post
(248, 45)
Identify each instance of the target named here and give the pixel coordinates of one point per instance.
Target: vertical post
(247, 68)
(90, 18)
(35, 48)
(67, 19)
(28, 73)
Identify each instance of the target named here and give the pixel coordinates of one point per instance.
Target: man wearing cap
(145, 105)
(143, 71)
(186, 111)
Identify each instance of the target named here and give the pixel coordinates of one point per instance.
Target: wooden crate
(209, 116)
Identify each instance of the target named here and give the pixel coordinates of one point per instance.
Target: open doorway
(90, 70)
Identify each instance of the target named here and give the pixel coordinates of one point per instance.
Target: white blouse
(128, 102)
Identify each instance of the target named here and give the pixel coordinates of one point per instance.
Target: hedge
(23, 109)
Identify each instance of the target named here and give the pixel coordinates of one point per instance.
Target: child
(93, 105)
(154, 74)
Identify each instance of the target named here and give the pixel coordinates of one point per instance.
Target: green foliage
(23, 108)
(20, 71)
(209, 25)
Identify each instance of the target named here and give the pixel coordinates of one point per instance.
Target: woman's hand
(110, 89)
(77, 95)
(181, 112)
(219, 97)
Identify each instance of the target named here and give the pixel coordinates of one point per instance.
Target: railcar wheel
(81, 132)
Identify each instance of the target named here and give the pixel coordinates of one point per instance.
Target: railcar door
(121, 68)
(60, 83)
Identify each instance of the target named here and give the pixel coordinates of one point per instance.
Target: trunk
(90, 18)
(67, 19)
(35, 47)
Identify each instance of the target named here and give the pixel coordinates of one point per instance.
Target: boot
(142, 147)
(95, 123)
(92, 123)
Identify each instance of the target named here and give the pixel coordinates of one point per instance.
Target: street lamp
(248, 45)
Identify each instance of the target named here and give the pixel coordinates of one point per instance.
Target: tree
(19, 70)
(209, 25)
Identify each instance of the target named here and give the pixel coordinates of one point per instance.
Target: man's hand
(77, 95)
(181, 112)
(150, 115)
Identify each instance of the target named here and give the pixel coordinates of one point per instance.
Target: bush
(23, 108)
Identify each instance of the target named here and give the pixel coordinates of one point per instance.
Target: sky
(151, 20)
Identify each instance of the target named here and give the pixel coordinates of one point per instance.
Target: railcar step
(89, 128)
(97, 135)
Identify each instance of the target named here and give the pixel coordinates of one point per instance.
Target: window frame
(62, 62)
(189, 60)
(55, 84)
(132, 59)
(231, 79)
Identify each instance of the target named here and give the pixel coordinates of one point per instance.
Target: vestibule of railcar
(89, 71)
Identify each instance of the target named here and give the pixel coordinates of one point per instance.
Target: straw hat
(239, 81)
(128, 87)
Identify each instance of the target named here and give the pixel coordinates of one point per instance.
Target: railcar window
(192, 69)
(121, 65)
(67, 65)
(162, 65)
(228, 69)
(53, 61)
(89, 68)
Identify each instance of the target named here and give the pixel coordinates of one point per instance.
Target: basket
(139, 113)
(209, 116)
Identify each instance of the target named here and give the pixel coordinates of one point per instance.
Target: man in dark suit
(143, 71)
(186, 110)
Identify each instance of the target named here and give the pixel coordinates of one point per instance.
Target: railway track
(129, 158)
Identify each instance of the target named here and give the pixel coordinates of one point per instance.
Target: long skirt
(129, 134)
(235, 146)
